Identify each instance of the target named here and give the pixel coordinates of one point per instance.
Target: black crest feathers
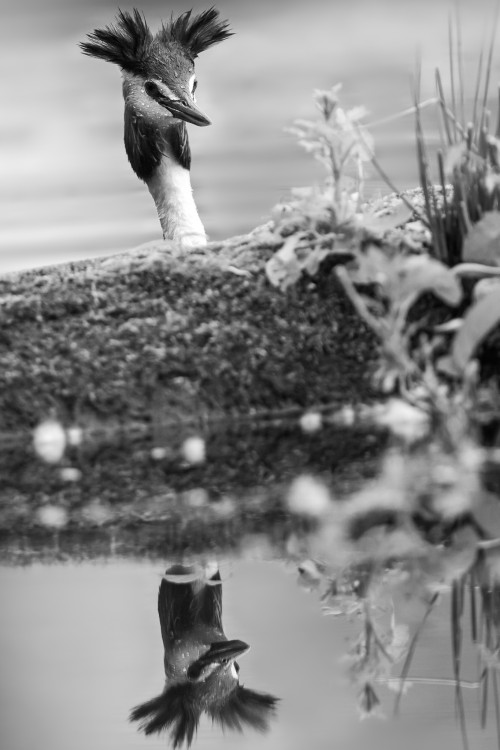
(126, 44)
(174, 710)
(198, 33)
(244, 708)
(178, 711)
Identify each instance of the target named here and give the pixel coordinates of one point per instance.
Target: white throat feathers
(170, 186)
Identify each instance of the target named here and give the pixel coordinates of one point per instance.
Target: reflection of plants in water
(481, 582)
(372, 656)
(400, 548)
(413, 528)
(364, 594)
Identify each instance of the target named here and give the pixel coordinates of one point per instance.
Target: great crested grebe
(202, 675)
(159, 84)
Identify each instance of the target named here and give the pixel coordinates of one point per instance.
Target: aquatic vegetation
(465, 225)
(325, 227)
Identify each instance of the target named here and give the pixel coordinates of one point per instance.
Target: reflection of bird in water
(159, 84)
(202, 675)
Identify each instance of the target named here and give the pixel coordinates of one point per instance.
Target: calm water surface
(66, 188)
(81, 645)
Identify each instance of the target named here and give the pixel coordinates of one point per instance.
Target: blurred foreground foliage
(424, 276)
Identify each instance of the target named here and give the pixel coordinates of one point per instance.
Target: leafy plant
(383, 281)
(322, 221)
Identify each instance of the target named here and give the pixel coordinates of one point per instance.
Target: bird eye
(151, 88)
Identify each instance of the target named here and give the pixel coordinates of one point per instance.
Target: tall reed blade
(442, 106)
(411, 652)
(473, 608)
(497, 706)
(484, 696)
(452, 73)
(460, 66)
(489, 64)
(456, 644)
(497, 132)
(475, 122)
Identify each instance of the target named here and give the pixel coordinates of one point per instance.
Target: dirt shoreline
(161, 336)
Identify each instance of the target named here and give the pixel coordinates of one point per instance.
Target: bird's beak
(187, 111)
(184, 109)
(225, 650)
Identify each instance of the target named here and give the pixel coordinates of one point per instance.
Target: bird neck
(170, 186)
(158, 150)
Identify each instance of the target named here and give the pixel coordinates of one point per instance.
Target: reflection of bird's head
(217, 692)
(201, 668)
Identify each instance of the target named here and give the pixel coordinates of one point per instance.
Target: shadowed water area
(188, 512)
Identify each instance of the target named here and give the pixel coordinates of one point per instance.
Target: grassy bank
(143, 350)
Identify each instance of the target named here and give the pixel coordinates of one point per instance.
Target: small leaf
(446, 366)
(416, 274)
(451, 326)
(492, 182)
(313, 260)
(373, 266)
(485, 287)
(482, 243)
(283, 269)
(386, 219)
(356, 113)
(454, 157)
(479, 321)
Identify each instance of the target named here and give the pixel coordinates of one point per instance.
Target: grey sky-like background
(66, 188)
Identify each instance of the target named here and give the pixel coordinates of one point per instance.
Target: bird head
(158, 70)
(203, 675)
(212, 687)
(218, 661)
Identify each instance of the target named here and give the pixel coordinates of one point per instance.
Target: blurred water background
(66, 189)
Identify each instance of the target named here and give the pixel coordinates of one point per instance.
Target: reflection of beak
(184, 109)
(225, 651)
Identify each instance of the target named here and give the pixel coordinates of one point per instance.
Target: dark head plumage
(179, 708)
(244, 708)
(127, 43)
(198, 33)
(174, 710)
(159, 85)
(130, 44)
